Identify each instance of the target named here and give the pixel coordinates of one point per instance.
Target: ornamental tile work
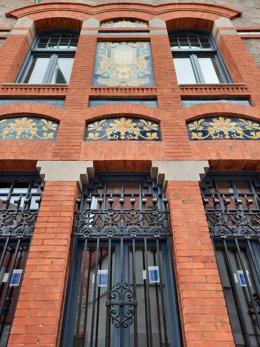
(123, 64)
(124, 24)
(28, 128)
(123, 128)
(223, 128)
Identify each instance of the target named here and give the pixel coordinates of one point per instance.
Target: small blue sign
(102, 278)
(154, 276)
(16, 278)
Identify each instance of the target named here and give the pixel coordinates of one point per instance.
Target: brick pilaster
(205, 321)
(40, 305)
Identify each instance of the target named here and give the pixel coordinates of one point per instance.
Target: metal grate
(190, 40)
(57, 40)
(121, 289)
(19, 202)
(232, 210)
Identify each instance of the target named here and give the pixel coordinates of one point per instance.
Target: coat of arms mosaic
(120, 64)
(28, 128)
(123, 128)
(223, 128)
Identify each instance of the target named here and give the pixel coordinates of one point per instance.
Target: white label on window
(242, 278)
(102, 278)
(154, 276)
(235, 277)
(5, 277)
(16, 278)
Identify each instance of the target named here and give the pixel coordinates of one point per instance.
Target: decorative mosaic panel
(123, 128)
(123, 64)
(124, 24)
(223, 128)
(28, 128)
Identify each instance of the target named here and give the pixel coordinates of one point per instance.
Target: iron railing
(19, 201)
(233, 215)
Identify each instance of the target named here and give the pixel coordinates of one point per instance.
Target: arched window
(196, 58)
(50, 59)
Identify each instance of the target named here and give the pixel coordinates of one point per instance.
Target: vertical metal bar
(158, 304)
(4, 252)
(249, 290)
(161, 291)
(149, 325)
(237, 300)
(121, 280)
(254, 262)
(134, 292)
(98, 300)
(81, 287)
(4, 296)
(94, 297)
(109, 287)
(87, 297)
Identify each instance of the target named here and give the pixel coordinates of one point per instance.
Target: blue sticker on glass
(16, 278)
(102, 278)
(154, 276)
(242, 278)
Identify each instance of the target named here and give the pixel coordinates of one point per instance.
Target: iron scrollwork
(235, 224)
(121, 305)
(128, 222)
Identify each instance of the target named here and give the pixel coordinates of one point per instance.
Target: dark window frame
(201, 52)
(54, 53)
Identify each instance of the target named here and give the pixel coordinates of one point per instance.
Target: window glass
(62, 70)
(184, 70)
(196, 58)
(50, 59)
(37, 70)
(209, 70)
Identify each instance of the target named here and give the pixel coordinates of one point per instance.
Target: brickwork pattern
(39, 311)
(40, 306)
(204, 316)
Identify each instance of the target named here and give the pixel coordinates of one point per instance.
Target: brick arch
(106, 111)
(200, 111)
(37, 110)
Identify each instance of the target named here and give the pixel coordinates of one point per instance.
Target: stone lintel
(66, 171)
(179, 170)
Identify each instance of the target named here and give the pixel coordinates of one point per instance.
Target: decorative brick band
(175, 170)
(66, 171)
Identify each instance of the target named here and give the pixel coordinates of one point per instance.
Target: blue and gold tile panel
(28, 128)
(223, 128)
(123, 64)
(123, 128)
(124, 24)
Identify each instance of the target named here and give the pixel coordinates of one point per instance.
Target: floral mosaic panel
(120, 64)
(223, 128)
(124, 24)
(123, 128)
(28, 128)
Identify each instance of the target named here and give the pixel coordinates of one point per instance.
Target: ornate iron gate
(19, 202)
(121, 288)
(232, 204)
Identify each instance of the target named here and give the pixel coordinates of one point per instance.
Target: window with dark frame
(196, 58)
(50, 59)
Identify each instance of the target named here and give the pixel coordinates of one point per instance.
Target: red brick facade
(204, 317)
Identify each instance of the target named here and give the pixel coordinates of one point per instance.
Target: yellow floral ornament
(28, 128)
(223, 128)
(123, 128)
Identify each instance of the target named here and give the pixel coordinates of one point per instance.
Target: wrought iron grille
(233, 214)
(19, 202)
(121, 289)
